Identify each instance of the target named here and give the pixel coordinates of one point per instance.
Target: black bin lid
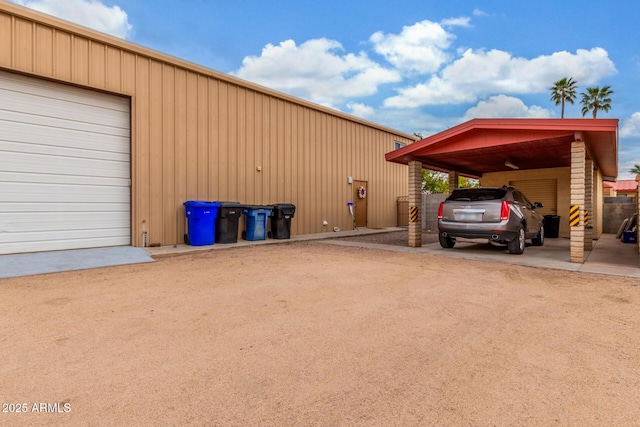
(230, 204)
(286, 208)
(229, 209)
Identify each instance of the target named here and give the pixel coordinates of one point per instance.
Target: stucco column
(588, 204)
(578, 156)
(415, 204)
(453, 180)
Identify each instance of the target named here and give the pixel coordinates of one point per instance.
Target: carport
(582, 152)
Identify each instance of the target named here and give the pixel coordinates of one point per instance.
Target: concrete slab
(609, 255)
(17, 265)
(612, 256)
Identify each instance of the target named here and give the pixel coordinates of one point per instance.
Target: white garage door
(65, 167)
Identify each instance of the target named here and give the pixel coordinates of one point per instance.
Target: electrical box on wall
(349, 180)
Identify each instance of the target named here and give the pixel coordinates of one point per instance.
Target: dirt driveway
(315, 334)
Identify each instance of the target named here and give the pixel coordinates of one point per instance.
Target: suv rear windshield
(477, 194)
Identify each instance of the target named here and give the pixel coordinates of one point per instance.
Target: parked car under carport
(501, 215)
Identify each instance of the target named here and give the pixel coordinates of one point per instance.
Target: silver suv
(502, 215)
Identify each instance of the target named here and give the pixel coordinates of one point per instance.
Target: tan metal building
(102, 141)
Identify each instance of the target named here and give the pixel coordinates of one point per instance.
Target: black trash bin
(551, 226)
(227, 222)
(281, 220)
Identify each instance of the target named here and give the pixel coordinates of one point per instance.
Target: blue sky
(416, 66)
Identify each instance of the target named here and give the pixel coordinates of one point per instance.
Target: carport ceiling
(484, 145)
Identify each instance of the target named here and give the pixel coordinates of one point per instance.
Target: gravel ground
(306, 333)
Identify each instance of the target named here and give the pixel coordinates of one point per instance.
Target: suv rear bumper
(485, 231)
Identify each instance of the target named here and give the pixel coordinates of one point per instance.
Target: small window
(398, 145)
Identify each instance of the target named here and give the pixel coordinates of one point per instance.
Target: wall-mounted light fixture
(510, 165)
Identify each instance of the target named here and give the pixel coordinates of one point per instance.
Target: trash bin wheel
(186, 239)
(269, 234)
(244, 234)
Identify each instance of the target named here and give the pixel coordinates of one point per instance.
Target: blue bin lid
(201, 204)
(255, 207)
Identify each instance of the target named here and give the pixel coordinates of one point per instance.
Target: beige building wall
(563, 177)
(198, 134)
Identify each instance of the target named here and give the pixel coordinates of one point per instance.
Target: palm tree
(564, 90)
(595, 99)
(635, 170)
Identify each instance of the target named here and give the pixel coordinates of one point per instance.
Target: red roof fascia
(462, 131)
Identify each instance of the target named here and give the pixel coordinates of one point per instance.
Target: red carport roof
(484, 145)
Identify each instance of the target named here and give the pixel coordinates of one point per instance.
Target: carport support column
(453, 181)
(588, 204)
(415, 204)
(578, 156)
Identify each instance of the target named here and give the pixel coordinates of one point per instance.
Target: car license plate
(468, 215)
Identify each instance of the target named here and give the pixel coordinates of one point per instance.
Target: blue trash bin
(201, 219)
(256, 217)
(629, 237)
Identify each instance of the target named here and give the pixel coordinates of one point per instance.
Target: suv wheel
(539, 239)
(446, 242)
(516, 246)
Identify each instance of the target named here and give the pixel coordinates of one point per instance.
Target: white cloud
(462, 21)
(479, 12)
(361, 110)
(480, 73)
(505, 106)
(631, 126)
(89, 13)
(418, 48)
(316, 70)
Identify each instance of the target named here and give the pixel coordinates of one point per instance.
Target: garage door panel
(54, 207)
(26, 107)
(38, 222)
(29, 133)
(56, 163)
(51, 193)
(65, 170)
(544, 191)
(49, 236)
(35, 177)
(50, 123)
(61, 243)
(29, 85)
(46, 99)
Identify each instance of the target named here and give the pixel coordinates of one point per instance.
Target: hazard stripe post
(574, 216)
(413, 214)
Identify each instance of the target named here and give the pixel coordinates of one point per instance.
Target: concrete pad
(16, 265)
(609, 255)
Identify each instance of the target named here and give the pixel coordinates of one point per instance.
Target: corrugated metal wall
(199, 134)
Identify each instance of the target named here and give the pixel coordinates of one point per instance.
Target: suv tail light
(504, 211)
(440, 210)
